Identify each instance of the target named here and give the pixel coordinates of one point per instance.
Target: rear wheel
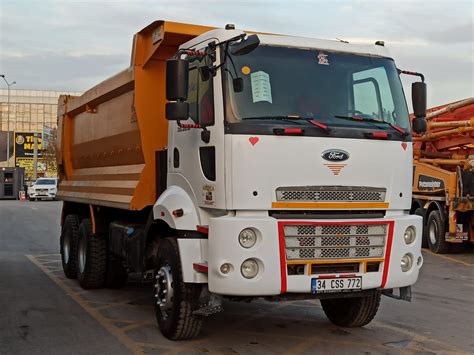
(68, 245)
(91, 257)
(436, 233)
(352, 312)
(175, 300)
(424, 237)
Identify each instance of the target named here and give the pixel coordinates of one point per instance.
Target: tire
(68, 245)
(116, 273)
(424, 238)
(91, 257)
(352, 312)
(436, 229)
(175, 316)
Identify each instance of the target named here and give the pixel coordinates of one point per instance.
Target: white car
(43, 188)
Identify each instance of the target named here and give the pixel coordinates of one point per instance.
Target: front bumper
(42, 194)
(271, 255)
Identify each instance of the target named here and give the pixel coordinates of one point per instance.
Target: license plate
(337, 284)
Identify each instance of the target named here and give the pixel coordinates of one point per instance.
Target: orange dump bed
(110, 137)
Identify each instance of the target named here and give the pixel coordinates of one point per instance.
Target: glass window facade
(30, 110)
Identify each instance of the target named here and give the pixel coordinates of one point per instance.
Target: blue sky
(72, 45)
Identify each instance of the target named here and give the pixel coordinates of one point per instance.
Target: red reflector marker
(293, 131)
(379, 135)
(178, 213)
(201, 267)
(202, 229)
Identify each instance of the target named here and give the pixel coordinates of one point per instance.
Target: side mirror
(178, 110)
(419, 125)
(418, 96)
(177, 77)
(245, 46)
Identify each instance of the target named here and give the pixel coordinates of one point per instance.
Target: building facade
(29, 111)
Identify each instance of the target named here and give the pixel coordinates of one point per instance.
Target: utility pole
(8, 117)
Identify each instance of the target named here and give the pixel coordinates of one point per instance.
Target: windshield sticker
(261, 89)
(246, 70)
(323, 59)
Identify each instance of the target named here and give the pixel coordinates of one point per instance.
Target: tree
(49, 152)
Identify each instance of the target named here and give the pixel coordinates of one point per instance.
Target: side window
(372, 94)
(193, 93)
(200, 97)
(206, 101)
(365, 97)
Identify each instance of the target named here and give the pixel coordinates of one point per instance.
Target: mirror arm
(406, 72)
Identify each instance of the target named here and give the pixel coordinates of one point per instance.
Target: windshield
(315, 84)
(45, 182)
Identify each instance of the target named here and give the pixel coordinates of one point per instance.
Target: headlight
(407, 262)
(249, 268)
(410, 235)
(247, 238)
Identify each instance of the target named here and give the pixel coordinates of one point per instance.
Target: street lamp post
(8, 116)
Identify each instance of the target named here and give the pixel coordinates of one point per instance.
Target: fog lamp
(249, 268)
(226, 268)
(407, 262)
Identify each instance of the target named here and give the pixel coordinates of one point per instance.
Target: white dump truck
(224, 164)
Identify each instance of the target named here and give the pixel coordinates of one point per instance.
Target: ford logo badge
(335, 155)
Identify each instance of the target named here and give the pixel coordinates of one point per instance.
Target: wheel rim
(66, 247)
(82, 254)
(164, 290)
(433, 232)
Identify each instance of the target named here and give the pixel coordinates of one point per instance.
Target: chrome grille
(331, 193)
(351, 241)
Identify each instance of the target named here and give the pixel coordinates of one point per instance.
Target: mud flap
(404, 293)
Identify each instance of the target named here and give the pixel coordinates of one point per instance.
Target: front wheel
(352, 312)
(175, 301)
(424, 238)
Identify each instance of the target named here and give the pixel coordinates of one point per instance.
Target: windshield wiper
(363, 119)
(292, 119)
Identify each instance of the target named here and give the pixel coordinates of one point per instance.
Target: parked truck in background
(228, 165)
(443, 184)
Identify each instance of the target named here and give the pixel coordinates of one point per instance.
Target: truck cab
(314, 145)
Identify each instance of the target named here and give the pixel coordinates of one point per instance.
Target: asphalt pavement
(42, 312)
